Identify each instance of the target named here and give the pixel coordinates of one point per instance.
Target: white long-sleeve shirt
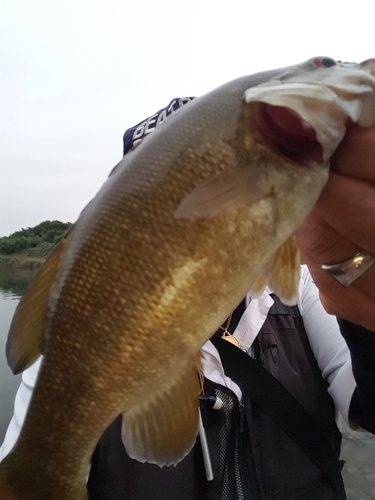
(326, 341)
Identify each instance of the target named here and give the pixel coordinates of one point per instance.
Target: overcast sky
(76, 73)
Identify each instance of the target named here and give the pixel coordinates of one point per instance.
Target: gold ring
(348, 271)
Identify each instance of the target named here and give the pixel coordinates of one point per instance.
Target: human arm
(345, 354)
(328, 345)
(21, 405)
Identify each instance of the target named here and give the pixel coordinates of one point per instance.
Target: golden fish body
(204, 209)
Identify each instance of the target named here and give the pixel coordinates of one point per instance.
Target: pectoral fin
(26, 334)
(225, 192)
(164, 431)
(282, 274)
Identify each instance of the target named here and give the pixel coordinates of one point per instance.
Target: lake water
(13, 284)
(358, 447)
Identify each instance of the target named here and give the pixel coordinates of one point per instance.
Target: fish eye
(324, 62)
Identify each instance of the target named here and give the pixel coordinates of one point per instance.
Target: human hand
(342, 224)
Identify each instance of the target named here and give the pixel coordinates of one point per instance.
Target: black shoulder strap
(268, 393)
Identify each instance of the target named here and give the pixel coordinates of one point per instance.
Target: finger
(355, 157)
(348, 205)
(352, 306)
(353, 303)
(321, 244)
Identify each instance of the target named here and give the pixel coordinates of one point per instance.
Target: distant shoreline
(19, 261)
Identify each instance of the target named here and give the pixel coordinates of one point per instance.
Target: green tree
(35, 241)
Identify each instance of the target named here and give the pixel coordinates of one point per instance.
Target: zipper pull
(274, 353)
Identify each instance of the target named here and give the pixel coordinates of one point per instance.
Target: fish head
(289, 125)
(302, 112)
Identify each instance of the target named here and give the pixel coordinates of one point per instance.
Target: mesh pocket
(239, 480)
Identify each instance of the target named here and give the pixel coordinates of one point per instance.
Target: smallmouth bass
(203, 210)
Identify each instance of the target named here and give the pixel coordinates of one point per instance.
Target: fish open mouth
(288, 134)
